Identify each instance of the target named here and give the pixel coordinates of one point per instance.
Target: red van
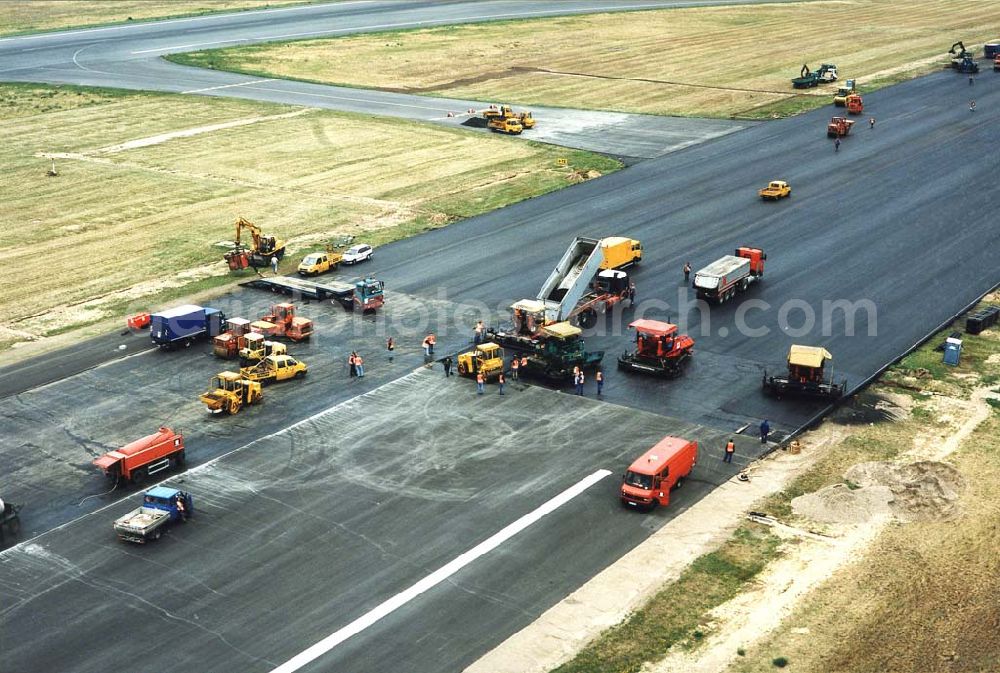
(649, 480)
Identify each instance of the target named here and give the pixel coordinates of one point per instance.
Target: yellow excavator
(264, 248)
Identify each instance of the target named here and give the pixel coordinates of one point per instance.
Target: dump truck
(652, 476)
(161, 507)
(183, 325)
(257, 347)
(776, 189)
(135, 461)
(806, 376)
(289, 326)
(808, 78)
(839, 127)
(620, 252)
(843, 91)
(228, 344)
(508, 125)
(558, 351)
(260, 253)
(229, 392)
(855, 104)
(578, 290)
(659, 349)
(275, 368)
(487, 358)
(722, 279)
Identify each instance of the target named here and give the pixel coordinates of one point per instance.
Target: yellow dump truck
(620, 252)
(509, 125)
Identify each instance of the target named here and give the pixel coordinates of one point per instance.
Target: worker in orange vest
(514, 366)
(479, 383)
(730, 450)
(360, 365)
(524, 363)
(501, 380)
(599, 377)
(431, 340)
(353, 363)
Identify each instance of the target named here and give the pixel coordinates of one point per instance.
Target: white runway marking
(227, 86)
(438, 576)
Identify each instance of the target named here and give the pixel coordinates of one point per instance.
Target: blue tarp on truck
(183, 325)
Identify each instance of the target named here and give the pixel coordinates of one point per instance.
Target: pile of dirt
(582, 176)
(867, 408)
(920, 491)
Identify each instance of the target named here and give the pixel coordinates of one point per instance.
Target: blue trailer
(183, 325)
(161, 507)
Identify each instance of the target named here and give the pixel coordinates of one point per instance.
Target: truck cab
(508, 125)
(161, 506)
(650, 478)
(275, 368)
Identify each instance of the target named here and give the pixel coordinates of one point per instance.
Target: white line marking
(438, 576)
(382, 26)
(349, 98)
(227, 86)
(154, 22)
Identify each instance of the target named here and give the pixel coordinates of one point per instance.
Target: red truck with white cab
(652, 476)
(143, 457)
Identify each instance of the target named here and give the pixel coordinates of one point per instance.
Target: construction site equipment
(257, 348)
(620, 252)
(806, 375)
(839, 127)
(808, 78)
(504, 112)
(843, 91)
(991, 49)
(143, 457)
(527, 121)
(274, 368)
(263, 248)
(855, 105)
(982, 320)
(289, 325)
(996, 63)
(364, 295)
(161, 507)
(723, 278)
(229, 392)
(572, 292)
(487, 359)
(650, 478)
(962, 60)
(776, 189)
(508, 125)
(557, 351)
(659, 350)
(183, 325)
(10, 520)
(138, 321)
(495, 112)
(228, 344)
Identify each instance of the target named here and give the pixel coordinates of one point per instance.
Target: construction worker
(390, 347)
(479, 332)
(765, 430)
(514, 366)
(599, 377)
(274, 265)
(359, 364)
(447, 366)
(972, 106)
(631, 295)
(730, 450)
(579, 383)
(480, 380)
(428, 345)
(836, 145)
(524, 363)
(871, 122)
(353, 363)
(501, 380)
(431, 340)
(687, 271)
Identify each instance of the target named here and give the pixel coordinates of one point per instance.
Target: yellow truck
(487, 360)
(316, 263)
(620, 252)
(509, 125)
(776, 189)
(275, 368)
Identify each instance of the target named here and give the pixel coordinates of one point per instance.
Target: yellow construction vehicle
(527, 121)
(509, 125)
(264, 248)
(257, 348)
(320, 262)
(275, 368)
(486, 359)
(494, 112)
(229, 392)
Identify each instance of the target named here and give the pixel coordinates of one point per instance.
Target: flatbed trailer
(343, 293)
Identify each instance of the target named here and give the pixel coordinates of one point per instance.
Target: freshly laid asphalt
(901, 216)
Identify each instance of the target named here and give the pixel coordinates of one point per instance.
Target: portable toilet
(952, 351)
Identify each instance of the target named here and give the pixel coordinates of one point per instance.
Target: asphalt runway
(129, 57)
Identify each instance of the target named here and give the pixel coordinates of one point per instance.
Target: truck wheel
(299, 375)
(679, 483)
(588, 318)
(138, 476)
(156, 534)
(179, 459)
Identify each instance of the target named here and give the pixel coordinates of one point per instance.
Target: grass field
(20, 16)
(715, 61)
(121, 224)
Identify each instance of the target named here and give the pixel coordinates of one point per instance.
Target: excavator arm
(241, 224)
(957, 44)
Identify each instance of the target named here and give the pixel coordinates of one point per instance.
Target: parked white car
(358, 253)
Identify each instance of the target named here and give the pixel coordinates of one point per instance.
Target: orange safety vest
(513, 363)
(599, 376)
(524, 362)
(501, 379)
(358, 361)
(730, 447)
(479, 378)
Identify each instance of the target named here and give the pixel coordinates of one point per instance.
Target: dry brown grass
(20, 16)
(716, 61)
(126, 224)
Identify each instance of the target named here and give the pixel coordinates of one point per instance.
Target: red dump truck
(652, 476)
(143, 457)
(723, 278)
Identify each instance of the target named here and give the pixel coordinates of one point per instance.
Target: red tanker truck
(143, 457)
